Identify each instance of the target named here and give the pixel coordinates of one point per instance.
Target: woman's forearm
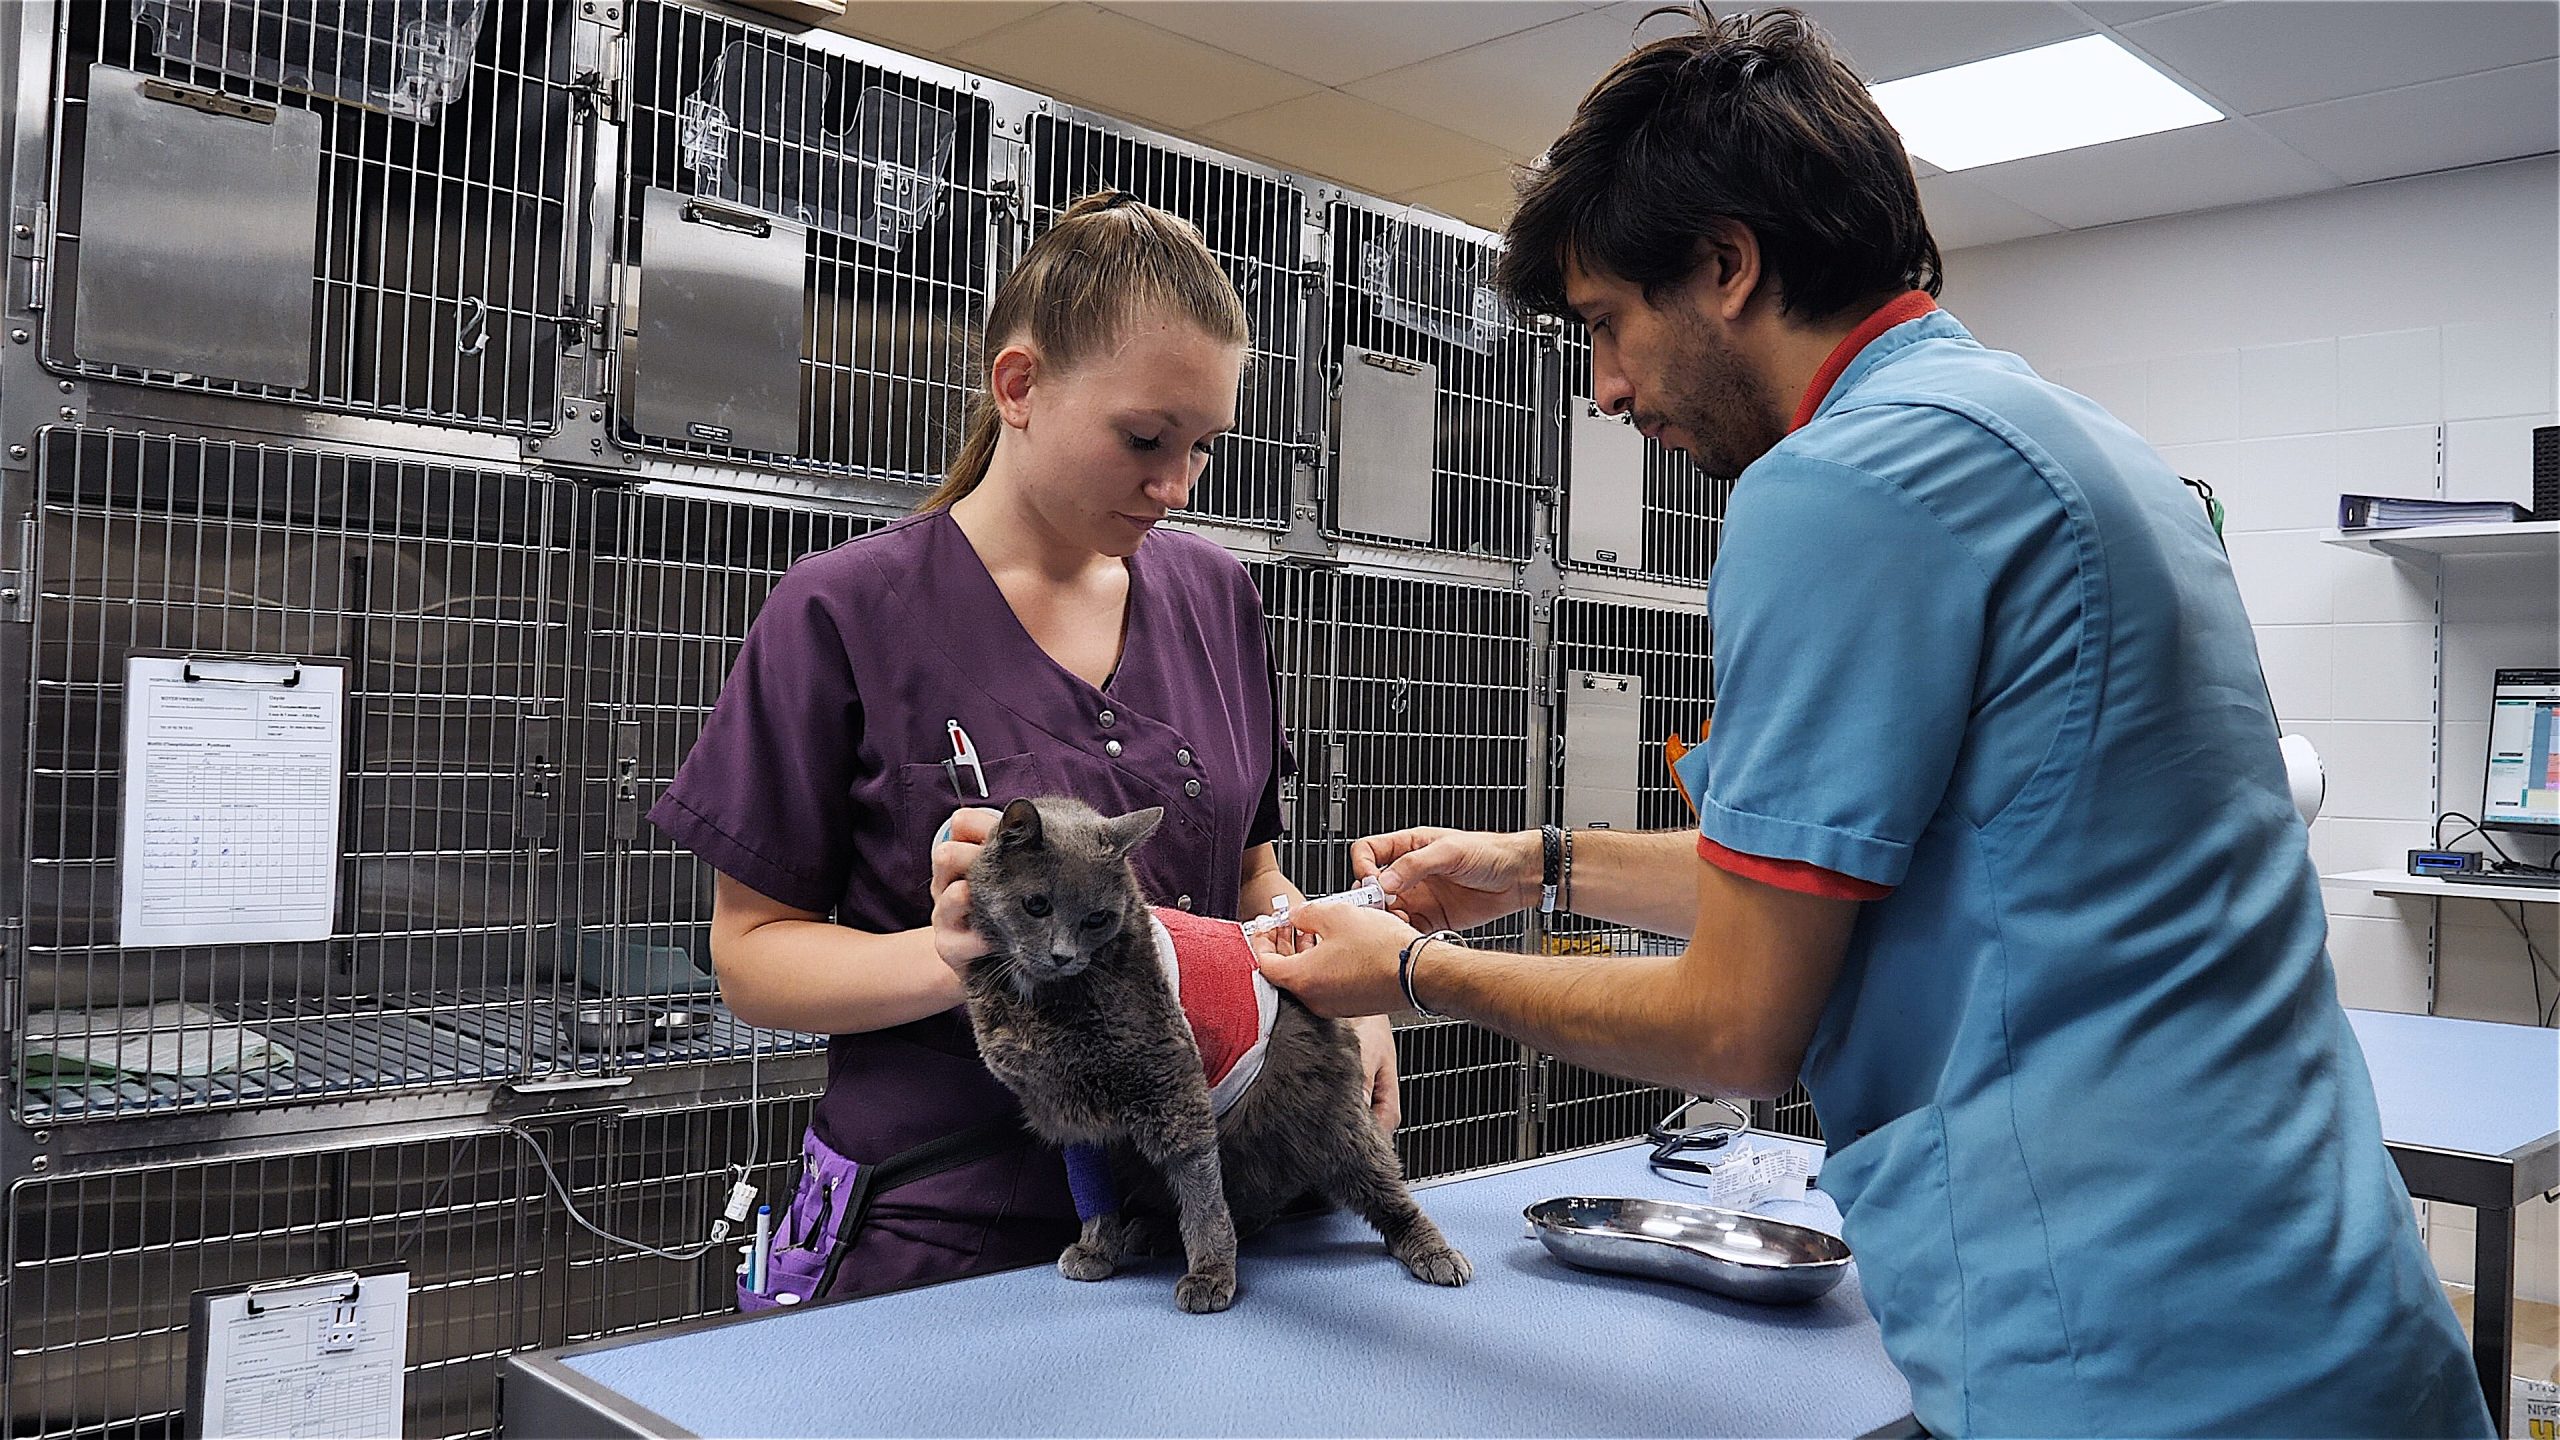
(826, 979)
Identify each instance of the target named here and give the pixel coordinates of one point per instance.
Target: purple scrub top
(819, 781)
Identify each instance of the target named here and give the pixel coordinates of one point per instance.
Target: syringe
(1367, 895)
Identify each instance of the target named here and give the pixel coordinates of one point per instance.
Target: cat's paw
(1440, 1264)
(1205, 1292)
(1086, 1262)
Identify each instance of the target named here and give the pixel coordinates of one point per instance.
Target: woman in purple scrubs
(1029, 632)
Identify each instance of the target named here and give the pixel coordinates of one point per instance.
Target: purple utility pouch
(807, 1232)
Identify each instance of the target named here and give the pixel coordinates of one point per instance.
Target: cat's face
(1053, 888)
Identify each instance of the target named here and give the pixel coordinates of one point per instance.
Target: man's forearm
(1647, 880)
(1654, 1018)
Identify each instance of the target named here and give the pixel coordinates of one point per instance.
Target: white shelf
(2431, 543)
(2394, 882)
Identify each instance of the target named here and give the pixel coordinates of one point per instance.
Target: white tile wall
(2378, 770)
(2287, 483)
(2194, 398)
(2381, 964)
(2491, 459)
(2384, 672)
(2392, 377)
(2499, 367)
(2289, 389)
(2298, 668)
(2123, 389)
(2284, 577)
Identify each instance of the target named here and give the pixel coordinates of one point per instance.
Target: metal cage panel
(671, 584)
(430, 584)
(436, 284)
(1253, 220)
(1683, 507)
(101, 1266)
(891, 174)
(1408, 704)
(1420, 293)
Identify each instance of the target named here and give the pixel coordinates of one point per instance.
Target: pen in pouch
(762, 1256)
(964, 756)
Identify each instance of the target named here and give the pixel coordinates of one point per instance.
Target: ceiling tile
(1114, 64)
(2125, 12)
(1962, 214)
(1484, 199)
(1516, 92)
(2256, 57)
(2199, 168)
(1348, 140)
(1889, 39)
(2469, 120)
(930, 26)
(1336, 41)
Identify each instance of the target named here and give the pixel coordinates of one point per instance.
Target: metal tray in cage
(1254, 220)
(390, 185)
(1412, 297)
(882, 166)
(1653, 512)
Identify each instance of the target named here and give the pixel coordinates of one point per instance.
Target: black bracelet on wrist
(1411, 952)
(1551, 867)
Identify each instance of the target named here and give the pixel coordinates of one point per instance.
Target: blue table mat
(1328, 1336)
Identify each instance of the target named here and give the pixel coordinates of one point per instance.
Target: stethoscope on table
(1672, 1141)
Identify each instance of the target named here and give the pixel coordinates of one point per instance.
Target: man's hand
(953, 939)
(1346, 961)
(1452, 879)
(1378, 1062)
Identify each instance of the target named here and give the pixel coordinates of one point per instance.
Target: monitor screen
(2524, 752)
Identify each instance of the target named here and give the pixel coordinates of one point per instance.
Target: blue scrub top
(2101, 1138)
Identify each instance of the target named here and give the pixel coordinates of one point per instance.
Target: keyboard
(2539, 880)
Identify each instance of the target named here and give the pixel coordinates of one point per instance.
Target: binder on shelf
(2387, 512)
(316, 1356)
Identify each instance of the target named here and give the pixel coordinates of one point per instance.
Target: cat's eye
(1097, 919)
(1036, 905)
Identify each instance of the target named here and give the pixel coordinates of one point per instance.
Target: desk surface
(2464, 1086)
(1339, 1339)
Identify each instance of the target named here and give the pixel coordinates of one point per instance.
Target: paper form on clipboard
(320, 1357)
(232, 775)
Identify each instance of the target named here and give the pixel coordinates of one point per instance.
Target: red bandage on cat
(1230, 1006)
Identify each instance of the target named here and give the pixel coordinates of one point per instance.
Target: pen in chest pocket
(964, 756)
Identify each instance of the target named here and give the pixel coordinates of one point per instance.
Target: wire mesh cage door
(1427, 723)
(881, 172)
(1253, 220)
(102, 1266)
(1411, 306)
(388, 187)
(1606, 653)
(1657, 498)
(659, 1180)
(672, 583)
(428, 584)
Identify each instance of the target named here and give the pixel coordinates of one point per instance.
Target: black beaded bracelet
(1404, 968)
(1551, 867)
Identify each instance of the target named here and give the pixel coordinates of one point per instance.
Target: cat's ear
(1020, 825)
(1124, 833)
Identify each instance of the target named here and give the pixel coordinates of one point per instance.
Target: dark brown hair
(1752, 119)
(1108, 259)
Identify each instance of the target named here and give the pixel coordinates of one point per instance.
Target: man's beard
(1715, 399)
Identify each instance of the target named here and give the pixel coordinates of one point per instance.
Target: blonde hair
(1108, 259)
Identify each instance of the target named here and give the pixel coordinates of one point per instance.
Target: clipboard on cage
(315, 1356)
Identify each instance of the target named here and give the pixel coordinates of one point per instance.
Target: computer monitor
(2524, 753)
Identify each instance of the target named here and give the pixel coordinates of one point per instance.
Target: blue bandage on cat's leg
(1089, 1180)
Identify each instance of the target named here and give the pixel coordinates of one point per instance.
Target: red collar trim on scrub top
(1907, 306)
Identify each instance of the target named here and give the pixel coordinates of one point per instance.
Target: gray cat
(1074, 1015)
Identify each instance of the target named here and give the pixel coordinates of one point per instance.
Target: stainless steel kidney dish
(1731, 1252)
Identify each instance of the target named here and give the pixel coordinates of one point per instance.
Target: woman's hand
(953, 939)
(1378, 1062)
(1452, 879)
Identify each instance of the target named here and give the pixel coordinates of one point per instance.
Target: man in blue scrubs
(1995, 851)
